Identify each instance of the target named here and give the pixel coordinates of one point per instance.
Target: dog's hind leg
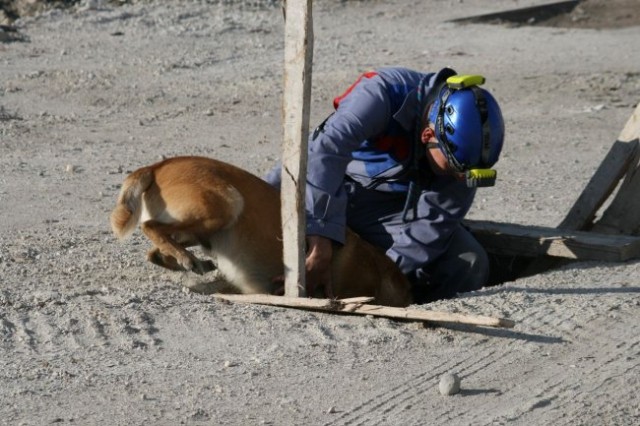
(170, 254)
(166, 261)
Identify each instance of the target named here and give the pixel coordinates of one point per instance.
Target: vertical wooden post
(298, 54)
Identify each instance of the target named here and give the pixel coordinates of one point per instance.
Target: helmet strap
(422, 110)
(481, 103)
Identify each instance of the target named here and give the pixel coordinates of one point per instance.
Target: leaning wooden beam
(620, 158)
(298, 53)
(359, 306)
(602, 184)
(621, 217)
(534, 241)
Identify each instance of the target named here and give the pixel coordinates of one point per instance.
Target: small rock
(90, 5)
(449, 384)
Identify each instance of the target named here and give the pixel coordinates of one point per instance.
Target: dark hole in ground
(526, 15)
(505, 268)
(596, 14)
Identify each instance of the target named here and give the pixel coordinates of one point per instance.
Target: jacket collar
(406, 115)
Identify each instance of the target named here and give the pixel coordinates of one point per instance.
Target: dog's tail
(126, 215)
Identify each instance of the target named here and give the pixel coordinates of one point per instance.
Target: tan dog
(235, 216)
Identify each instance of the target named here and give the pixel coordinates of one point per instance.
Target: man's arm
(364, 113)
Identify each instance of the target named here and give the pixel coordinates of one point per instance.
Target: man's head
(466, 123)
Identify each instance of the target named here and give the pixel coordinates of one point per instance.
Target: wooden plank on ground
(359, 306)
(298, 54)
(534, 241)
(622, 216)
(621, 157)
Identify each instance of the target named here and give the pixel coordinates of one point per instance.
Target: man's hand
(318, 265)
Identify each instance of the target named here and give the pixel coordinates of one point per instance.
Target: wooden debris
(359, 306)
(622, 159)
(534, 241)
(431, 316)
(613, 238)
(600, 187)
(621, 217)
(548, 246)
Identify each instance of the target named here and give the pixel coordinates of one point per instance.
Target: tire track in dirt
(44, 330)
(581, 343)
(393, 402)
(549, 394)
(601, 376)
(554, 396)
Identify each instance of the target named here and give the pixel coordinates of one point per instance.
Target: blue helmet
(468, 125)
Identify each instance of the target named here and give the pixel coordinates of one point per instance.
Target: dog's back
(235, 216)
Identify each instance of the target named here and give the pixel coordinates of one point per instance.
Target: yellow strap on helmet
(463, 81)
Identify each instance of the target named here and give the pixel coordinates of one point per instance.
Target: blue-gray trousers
(461, 265)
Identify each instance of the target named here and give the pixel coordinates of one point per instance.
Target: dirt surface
(595, 14)
(586, 14)
(92, 334)
(599, 14)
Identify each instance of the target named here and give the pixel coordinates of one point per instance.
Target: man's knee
(476, 264)
(464, 268)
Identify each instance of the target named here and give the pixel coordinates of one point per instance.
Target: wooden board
(631, 130)
(623, 214)
(534, 241)
(621, 158)
(600, 187)
(358, 305)
(298, 54)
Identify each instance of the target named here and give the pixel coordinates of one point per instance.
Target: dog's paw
(201, 267)
(208, 266)
(166, 261)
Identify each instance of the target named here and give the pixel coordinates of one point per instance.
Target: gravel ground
(90, 333)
